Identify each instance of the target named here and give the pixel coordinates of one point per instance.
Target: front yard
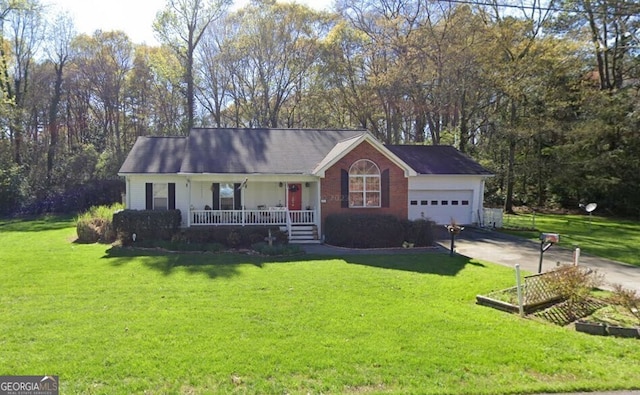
(611, 238)
(118, 321)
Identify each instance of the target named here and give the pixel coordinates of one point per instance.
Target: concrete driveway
(510, 250)
(506, 250)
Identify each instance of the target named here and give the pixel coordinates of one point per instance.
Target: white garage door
(441, 206)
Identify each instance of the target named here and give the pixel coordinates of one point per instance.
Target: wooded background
(544, 94)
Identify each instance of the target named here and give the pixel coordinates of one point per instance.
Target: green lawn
(112, 321)
(611, 238)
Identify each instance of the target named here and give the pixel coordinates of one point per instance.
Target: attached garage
(442, 206)
(448, 184)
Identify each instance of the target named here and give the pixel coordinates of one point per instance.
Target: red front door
(295, 197)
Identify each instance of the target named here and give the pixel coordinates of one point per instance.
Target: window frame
(367, 180)
(160, 190)
(221, 197)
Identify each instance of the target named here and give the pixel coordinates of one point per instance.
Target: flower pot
(621, 331)
(592, 328)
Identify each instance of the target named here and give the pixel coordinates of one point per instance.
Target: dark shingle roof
(267, 151)
(155, 155)
(239, 151)
(437, 159)
(274, 151)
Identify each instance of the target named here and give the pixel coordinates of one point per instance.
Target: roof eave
(321, 169)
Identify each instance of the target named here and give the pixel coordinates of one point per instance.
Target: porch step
(301, 234)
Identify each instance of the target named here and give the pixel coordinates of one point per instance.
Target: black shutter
(344, 188)
(148, 196)
(216, 196)
(384, 188)
(237, 195)
(172, 196)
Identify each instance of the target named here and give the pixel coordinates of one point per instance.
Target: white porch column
(318, 212)
(286, 195)
(190, 204)
(127, 203)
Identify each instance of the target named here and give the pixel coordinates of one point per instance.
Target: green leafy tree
(270, 50)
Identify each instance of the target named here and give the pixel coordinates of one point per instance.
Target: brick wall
(398, 184)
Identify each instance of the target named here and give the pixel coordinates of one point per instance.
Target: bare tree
(26, 28)
(58, 50)
(181, 26)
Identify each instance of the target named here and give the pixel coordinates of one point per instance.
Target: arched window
(364, 184)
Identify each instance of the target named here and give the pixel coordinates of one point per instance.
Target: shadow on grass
(433, 263)
(36, 224)
(212, 265)
(216, 265)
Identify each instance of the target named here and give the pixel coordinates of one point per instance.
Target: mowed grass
(611, 238)
(113, 321)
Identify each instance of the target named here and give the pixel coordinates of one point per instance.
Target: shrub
(376, 231)
(234, 239)
(573, 283)
(419, 232)
(176, 245)
(146, 225)
(627, 298)
(11, 194)
(96, 224)
(277, 249)
(230, 236)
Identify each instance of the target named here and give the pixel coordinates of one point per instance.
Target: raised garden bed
(602, 329)
(507, 300)
(621, 331)
(592, 328)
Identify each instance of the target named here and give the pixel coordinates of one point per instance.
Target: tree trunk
(53, 121)
(508, 201)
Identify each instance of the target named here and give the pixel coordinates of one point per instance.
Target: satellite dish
(590, 207)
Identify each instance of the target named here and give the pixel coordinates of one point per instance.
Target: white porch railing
(251, 217)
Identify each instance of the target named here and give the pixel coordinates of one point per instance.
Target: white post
(534, 219)
(519, 288)
(190, 212)
(576, 256)
(318, 209)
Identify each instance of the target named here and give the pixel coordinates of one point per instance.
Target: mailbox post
(546, 241)
(453, 231)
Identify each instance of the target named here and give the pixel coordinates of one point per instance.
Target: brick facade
(398, 184)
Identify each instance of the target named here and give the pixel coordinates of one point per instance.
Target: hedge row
(146, 225)
(154, 225)
(231, 236)
(346, 230)
(376, 231)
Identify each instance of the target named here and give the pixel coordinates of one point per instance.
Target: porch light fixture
(306, 184)
(280, 185)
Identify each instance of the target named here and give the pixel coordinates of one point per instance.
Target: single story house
(295, 178)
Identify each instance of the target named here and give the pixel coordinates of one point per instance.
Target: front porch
(291, 205)
(300, 225)
(282, 217)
